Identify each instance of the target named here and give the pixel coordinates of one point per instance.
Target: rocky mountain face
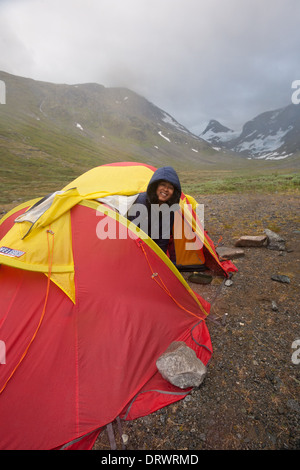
(273, 135)
(108, 124)
(52, 133)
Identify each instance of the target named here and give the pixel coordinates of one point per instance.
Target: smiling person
(153, 211)
(164, 192)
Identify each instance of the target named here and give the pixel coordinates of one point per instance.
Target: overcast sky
(197, 60)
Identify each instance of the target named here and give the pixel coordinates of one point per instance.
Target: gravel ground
(250, 396)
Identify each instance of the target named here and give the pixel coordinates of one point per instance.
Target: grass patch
(217, 183)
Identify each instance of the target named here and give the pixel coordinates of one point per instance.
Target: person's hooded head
(164, 187)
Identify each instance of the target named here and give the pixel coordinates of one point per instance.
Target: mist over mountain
(105, 124)
(52, 133)
(272, 135)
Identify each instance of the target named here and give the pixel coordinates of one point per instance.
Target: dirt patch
(250, 396)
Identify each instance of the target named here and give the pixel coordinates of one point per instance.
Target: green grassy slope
(50, 134)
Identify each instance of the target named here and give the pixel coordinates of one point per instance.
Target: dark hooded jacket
(149, 198)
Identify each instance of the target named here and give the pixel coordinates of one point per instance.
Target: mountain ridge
(272, 135)
(97, 112)
(52, 133)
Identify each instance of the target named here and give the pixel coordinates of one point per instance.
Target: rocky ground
(250, 397)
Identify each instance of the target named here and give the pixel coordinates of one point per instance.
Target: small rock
(293, 405)
(125, 439)
(248, 240)
(274, 306)
(281, 278)
(275, 241)
(228, 283)
(163, 419)
(180, 366)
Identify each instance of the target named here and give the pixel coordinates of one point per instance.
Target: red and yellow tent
(84, 319)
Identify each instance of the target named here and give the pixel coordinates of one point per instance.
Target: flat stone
(180, 366)
(251, 240)
(200, 278)
(281, 278)
(225, 252)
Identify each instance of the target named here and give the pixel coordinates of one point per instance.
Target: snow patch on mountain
(273, 135)
(263, 143)
(213, 137)
(169, 120)
(163, 136)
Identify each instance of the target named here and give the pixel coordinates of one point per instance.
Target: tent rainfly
(85, 315)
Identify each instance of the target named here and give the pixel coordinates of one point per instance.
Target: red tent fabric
(72, 368)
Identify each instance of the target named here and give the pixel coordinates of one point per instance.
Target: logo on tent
(4, 250)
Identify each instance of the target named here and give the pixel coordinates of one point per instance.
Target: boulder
(275, 241)
(252, 240)
(180, 366)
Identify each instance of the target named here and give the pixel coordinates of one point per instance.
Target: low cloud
(197, 60)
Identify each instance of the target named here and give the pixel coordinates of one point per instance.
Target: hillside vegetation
(50, 134)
